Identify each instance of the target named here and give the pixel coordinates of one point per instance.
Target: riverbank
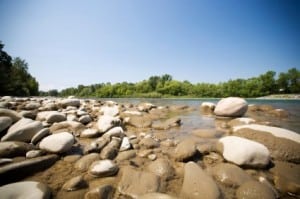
(83, 148)
(281, 96)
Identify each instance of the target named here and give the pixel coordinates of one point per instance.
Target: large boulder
(283, 144)
(25, 190)
(12, 149)
(197, 184)
(23, 130)
(134, 183)
(57, 143)
(231, 107)
(244, 152)
(103, 168)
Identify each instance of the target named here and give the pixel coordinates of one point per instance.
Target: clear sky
(72, 42)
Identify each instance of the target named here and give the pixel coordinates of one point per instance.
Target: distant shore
(281, 96)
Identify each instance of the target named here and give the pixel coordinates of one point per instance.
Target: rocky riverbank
(73, 148)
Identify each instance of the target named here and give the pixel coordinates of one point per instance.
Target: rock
(57, 143)
(32, 105)
(68, 126)
(34, 154)
(28, 114)
(207, 107)
(128, 112)
(55, 116)
(197, 184)
(83, 163)
(149, 143)
(85, 119)
(4, 161)
(145, 107)
(110, 110)
(140, 121)
(156, 195)
(253, 190)
(70, 102)
(287, 177)
(244, 152)
(169, 123)
(103, 168)
(279, 113)
(230, 175)
(89, 133)
(74, 184)
(282, 143)
(23, 130)
(126, 155)
(162, 168)
(185, 150)
(231, 107)
(240, 121)
(111, 150)
(107, 122)
(10, 113)
(125, 145)
(207, 133)
(102, 192)
(16, 171)
(134, 183)
(12, 149)
(97, 145)
(25, 190)
(5, 122)
(40, 135)
(114, 132)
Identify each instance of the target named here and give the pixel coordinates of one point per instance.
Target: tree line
(166, 86)
(15, 79)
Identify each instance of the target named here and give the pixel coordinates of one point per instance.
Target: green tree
(294, 80)
(5, 71)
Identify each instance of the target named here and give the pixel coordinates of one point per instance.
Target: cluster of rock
(94, 149)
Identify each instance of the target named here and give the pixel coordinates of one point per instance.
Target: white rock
(138, 113)
(40, 135)
(125, 145)
(23, 130)
(242, 151)
(110, 110)
(275, 131)
(114, 132)
(89, 133)
(103, 168)
(25, 190)
(231, 107)
(57, 143)
(106, 122)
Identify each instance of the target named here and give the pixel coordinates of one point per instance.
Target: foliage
(14, 76)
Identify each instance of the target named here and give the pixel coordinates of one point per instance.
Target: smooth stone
(287, 177)
(84, 162)
(230, 175)
(89, 133)
(34, 154)
(241, 121)
(55, 117)
(10, 113)
(102, 192)
(145, 107)
(5, 161)
(69, 126)
(25, 190)
(110, 110)
(23, 130)
(72, 117)
(28, 114)
(137, 113)
(244, 152)
(85, 119)
(231, 107)
(126, 155)
(162, 168)
(197, 184)
(140, 121)
(40, 135)
(253, 190)
(107, 122)
(57, 143)
(111, 150)
(134, 183)
(114, 132)
(149, 143)
(12, 149)
(70, 102)
(74, 184)
(207, 107)
(185, 150)
(5, 122)
(103, 168)
(125, 145)
(32, 105)
(206, 133)
(169, 123)
(156, 195)
(16, 171)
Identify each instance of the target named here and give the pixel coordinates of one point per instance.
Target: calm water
(195, 119)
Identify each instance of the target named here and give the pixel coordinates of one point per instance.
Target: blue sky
(68, 43)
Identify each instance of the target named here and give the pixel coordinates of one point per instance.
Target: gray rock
(4, 161)
(40, 135)
(74, 184)
(10, 113)
(197, 184)
(230, 175)
(111, 150)
(34, 154)
(25, 190)
(169, 123)
(253, 190)
(84, 162)
(57, 143)
(162, 168)
(12, 149)
(85, 119)
(32, 105)
(5, 122)
(126, 155)
(149, 143)
(103, 168)
(23, 130)
(114, 132)
(54, 116)
(68, 126)
(185, 150)
(97, 145)
(70, 102)
(18, 170)
(107, 122)
(231, 107)
(28, 114)
(134, 183)
(102, 192)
